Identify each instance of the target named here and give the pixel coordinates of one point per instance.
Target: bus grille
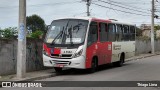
(62, 62)
(67, 56)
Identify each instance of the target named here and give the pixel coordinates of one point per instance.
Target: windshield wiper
(64, 35)
(59, 34)
(70, 34)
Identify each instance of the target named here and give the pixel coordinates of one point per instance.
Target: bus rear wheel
(120, 62)
(58, 70)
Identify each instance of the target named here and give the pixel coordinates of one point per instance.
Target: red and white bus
(85, 43)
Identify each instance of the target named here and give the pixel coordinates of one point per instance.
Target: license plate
(59, 65)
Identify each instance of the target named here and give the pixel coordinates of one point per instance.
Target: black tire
(120, 62)
(94, 66)
(58, 70)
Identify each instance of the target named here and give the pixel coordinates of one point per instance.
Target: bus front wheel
(94, 65)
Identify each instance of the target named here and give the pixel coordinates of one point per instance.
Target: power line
(119, 10)
(38, 5)
(124, 7)
(61, 3)
(134, 3)
(128, 5)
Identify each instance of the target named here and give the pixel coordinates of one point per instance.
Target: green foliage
(35, 22)
(157, 27)
(8, 32)
(1, 32)
(36, 35)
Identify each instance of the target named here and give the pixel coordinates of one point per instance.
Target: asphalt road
(147, 69)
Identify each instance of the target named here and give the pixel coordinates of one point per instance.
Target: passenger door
(92, 43)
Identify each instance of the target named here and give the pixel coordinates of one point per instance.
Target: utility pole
(21, 52)
(152, 27)
(88, 5)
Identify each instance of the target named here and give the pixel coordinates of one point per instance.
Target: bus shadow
(85, 72)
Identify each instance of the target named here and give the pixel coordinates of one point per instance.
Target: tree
(34, 23)
(157, 27)
(1, 32)
(9, 32)
(37, 34)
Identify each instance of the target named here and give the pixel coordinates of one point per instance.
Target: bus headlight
(79, 53)
(45, 53)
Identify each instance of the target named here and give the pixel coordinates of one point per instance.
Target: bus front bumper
(78, 62)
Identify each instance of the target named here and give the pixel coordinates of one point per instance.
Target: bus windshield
(67, 31)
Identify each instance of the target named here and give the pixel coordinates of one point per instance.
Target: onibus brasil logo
(19, 84)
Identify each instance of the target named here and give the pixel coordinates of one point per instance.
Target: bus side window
(126, 32)
(132, 33)
(103, 32)
(119, 34)
(111, 32)
(93, 33)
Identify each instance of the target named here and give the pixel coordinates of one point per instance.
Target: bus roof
(83, 18)
(112, 21)
(96, 19)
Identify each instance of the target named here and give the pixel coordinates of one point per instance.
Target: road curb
(39, 78)
(149, 56)
(141, 57)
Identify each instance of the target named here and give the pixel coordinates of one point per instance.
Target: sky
(128, 11)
